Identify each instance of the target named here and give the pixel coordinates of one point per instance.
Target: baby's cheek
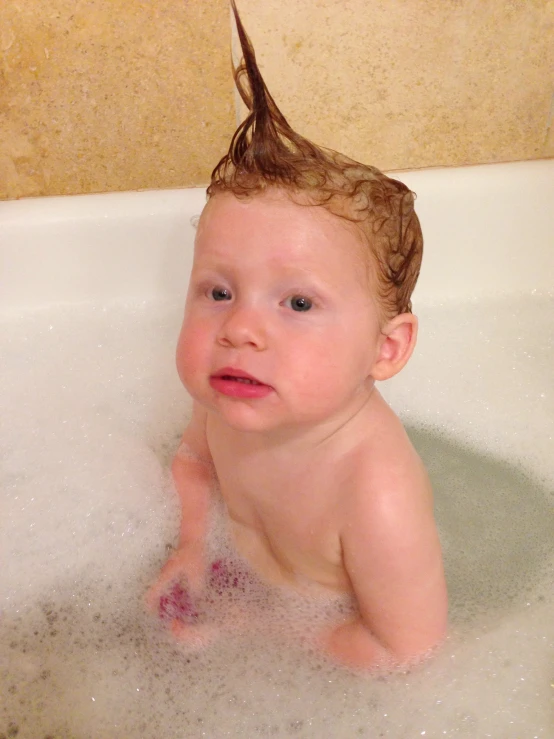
(318, 374)
(330, 379)
(191, 355)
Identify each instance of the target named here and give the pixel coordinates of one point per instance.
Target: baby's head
(266, 153)
(304, 266)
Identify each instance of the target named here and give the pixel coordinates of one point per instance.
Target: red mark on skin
(177, 604)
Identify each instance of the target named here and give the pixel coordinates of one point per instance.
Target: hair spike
(264, 143)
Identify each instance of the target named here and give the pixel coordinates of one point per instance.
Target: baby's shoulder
(389, 470)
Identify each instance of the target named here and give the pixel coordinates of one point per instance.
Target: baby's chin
(278, 424)
(248, 416)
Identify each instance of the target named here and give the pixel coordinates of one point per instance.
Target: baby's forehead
(276, 213)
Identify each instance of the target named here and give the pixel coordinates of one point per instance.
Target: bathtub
(91, 294)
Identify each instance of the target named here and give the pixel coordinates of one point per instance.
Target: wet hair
(266, 153)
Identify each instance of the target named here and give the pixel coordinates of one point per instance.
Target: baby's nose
(243, 326)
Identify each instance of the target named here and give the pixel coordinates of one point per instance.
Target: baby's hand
(184, 569)
(176, 598)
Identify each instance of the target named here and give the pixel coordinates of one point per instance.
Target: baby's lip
(231, 373)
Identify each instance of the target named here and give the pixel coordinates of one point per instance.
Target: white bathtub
(91, 292)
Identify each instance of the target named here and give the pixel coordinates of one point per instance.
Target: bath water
(91, 413)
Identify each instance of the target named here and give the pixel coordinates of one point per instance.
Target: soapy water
(91, 413)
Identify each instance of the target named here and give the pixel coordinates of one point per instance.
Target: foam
(91, 413)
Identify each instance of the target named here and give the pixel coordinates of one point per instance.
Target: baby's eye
(299, 303)
(221, 293)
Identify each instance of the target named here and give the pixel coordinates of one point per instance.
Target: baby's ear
(397, 342)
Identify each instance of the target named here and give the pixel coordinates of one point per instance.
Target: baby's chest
(290, 516)
(281, 520)
(286, 496)
(297, 499)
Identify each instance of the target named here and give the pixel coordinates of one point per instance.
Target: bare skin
(280, 347)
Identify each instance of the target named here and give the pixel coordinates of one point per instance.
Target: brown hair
(265, 152)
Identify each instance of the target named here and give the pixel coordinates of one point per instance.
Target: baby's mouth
(235, 375)
(239, 384)
(243, 380)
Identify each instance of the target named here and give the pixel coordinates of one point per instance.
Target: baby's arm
(392, 554)
(193, 476)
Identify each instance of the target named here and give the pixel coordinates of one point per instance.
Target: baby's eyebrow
(304, 278)
(213, 272)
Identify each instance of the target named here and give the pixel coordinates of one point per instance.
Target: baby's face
(280, 329)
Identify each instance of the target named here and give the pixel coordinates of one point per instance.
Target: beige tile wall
(126, 94)
(412, 83)
(103, 95)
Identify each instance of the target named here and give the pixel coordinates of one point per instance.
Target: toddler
(299, 300)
